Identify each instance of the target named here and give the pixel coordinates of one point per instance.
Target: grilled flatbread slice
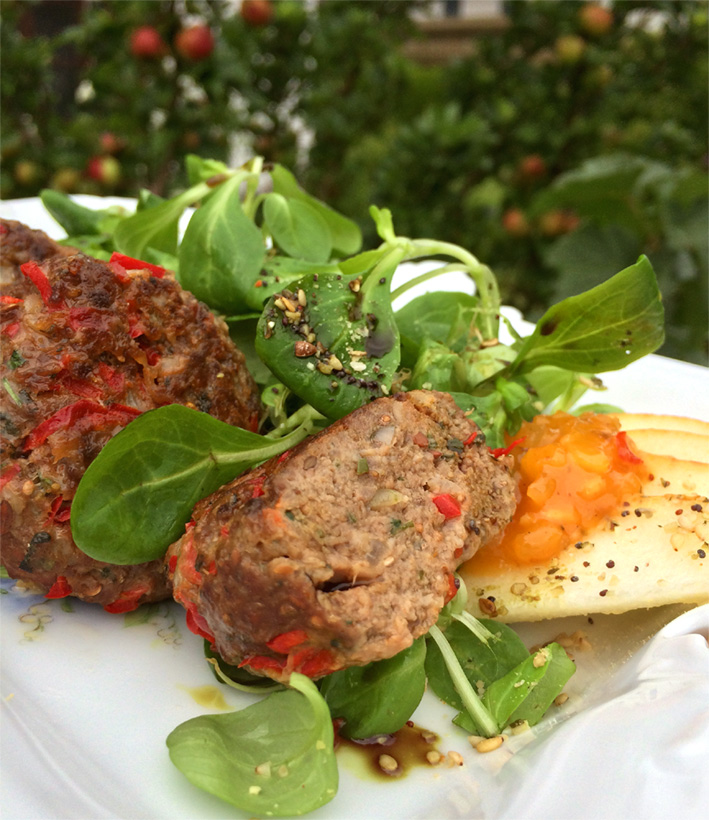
(674, 475)
(677, 443)
(649, 421)
(653, 553)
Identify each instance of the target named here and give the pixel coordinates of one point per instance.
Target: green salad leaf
(603, 329)
(222, 252)
(339, 347)
(274, 758)
(380, 697)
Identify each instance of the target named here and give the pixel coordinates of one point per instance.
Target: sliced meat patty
(87, 346)
(342, 552)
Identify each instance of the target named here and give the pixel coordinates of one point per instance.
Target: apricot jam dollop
(572, 472)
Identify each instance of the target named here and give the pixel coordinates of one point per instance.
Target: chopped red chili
(79, 387)
(471, 438)
(95, 414)
(498, 452)
(59, 511)
(263, 662)
(59, 589)
(318, 662)
(39, 279)
(453, 586)
(127, 601)
(172, 564)
(129, 263)
(10, 300)
(10, 330)
(624, 450)
(447, 505)
(286, 641)
(258, 487)
(120, 273)
(197, 624)
(115, 379)
(8, 474)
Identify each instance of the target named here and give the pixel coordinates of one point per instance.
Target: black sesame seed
(610, 564)
(603, 593)
(701, 553)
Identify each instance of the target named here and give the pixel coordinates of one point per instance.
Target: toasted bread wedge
(677, 443)
(675, 475)
(645, 421)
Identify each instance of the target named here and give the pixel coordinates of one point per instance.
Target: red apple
(595, 19)
(532, 167)
(146, 42)
(256, 12)
(515, 222)
(106, 170)
(110, 143)
(195, 43)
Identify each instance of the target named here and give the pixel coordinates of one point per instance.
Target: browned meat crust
(343, 552)
(86, 347)
(20, 244)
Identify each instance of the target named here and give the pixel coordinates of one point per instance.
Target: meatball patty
(87, 346)
(343, 551)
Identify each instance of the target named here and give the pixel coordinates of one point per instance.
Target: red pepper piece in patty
(129, 263)
(453, 587)
(60, 511)
(498, 452)
(39, 279)
(127, 601)
(315, 664)
(8, 474)
(286, 641)
(447, 505)
(59, 589)
(96, 414)
(263, 662)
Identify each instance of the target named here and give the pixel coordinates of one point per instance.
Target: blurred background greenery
(557, 145)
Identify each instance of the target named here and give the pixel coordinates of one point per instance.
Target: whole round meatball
(342, 552)
(87, 346)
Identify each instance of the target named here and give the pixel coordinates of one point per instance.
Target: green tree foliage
(477, 151)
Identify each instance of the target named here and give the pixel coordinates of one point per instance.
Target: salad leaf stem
(250, 201)
(480, 631)
(473, 704)
(425, 277)
(484, 279)
(241, 687)
(306, 417)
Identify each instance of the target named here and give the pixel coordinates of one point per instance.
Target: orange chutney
(572, 472)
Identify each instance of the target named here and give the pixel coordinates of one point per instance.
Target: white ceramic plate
(88, 699)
